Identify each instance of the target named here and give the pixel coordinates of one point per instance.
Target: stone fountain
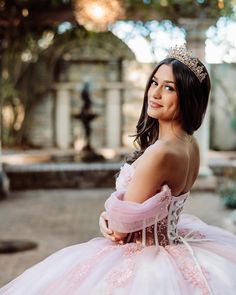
(86, 116)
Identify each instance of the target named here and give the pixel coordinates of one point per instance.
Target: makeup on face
(154, 105)
(162, 94)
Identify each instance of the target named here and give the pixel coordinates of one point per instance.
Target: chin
(153, 117)
(152, 114)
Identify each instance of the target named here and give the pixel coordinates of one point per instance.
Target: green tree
(31, 43)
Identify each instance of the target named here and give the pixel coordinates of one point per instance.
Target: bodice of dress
(154, 222)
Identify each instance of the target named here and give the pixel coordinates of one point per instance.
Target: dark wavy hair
(193, 99)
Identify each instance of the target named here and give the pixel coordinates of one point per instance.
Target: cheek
(175, 100)
(176, 110)
(174, 107)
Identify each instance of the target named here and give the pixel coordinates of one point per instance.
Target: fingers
(120, 237)
(104, 223)
(107, 233)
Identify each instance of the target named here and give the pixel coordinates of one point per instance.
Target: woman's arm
(151, 173)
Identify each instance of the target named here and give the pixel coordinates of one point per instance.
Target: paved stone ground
(58, 218)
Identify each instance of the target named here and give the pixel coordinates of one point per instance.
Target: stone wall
(41, 130)
(102, 59)
(223, 99)
(136, 76)
(96, 59)
(40, 127)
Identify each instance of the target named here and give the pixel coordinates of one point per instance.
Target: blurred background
(72, 78)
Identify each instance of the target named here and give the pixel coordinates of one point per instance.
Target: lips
(154, 105)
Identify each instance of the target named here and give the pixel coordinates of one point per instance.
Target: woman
(148, 247)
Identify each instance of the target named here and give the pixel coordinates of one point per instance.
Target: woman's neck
(171, 130)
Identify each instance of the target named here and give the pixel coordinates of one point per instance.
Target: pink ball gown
(166, 253)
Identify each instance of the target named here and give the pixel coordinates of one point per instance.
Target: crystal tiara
(183, 55)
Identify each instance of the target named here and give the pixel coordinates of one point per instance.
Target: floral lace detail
(166, 228)
(119, 276)
(132, 249)
(166, 198)
(162, 232)
(124, 177)
(192, 234)
(188, 267)
(161, 229)
(80, 271)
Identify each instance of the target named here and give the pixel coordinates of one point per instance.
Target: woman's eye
(154, 82)
(169, 88)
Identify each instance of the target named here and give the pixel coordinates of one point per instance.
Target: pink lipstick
(154, 104)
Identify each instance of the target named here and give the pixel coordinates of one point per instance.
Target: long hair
(193, 99)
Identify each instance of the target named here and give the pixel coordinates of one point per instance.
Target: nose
(157, 92)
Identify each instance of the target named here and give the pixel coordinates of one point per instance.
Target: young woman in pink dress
(149, 247)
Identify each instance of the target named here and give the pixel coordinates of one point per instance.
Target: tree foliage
(28, 64)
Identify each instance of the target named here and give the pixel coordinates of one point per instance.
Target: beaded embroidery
(188, 267)
(166, 228)
(80, 271)
(119, 275)
(193, 234)
(136, 237)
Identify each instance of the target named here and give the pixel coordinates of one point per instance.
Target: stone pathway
(58, 218)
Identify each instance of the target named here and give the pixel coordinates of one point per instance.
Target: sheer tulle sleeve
(126, 217)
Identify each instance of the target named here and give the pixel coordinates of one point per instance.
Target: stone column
(196, 37)
(4, 181)
(113, 114)
(63, 118)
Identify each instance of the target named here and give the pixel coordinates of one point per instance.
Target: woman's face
(163, 102)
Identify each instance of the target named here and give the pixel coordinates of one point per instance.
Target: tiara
(183, 55)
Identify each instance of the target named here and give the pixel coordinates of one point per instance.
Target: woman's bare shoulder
(161, 155)
(162, 149)
(168, 155)
(151, 173)
(195, 145)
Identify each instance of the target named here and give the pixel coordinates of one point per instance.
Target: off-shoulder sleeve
(126, 217)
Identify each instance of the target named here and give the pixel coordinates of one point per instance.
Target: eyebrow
(166, 81)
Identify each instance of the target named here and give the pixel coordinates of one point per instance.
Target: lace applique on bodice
(153, 222)
(166, 229)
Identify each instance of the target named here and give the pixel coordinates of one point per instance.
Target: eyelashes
(167, 87)
(153, 82)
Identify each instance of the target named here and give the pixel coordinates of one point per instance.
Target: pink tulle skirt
(203, 263)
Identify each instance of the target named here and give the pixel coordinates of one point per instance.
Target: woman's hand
(119, 237)
(108, 233)
(103, 224)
